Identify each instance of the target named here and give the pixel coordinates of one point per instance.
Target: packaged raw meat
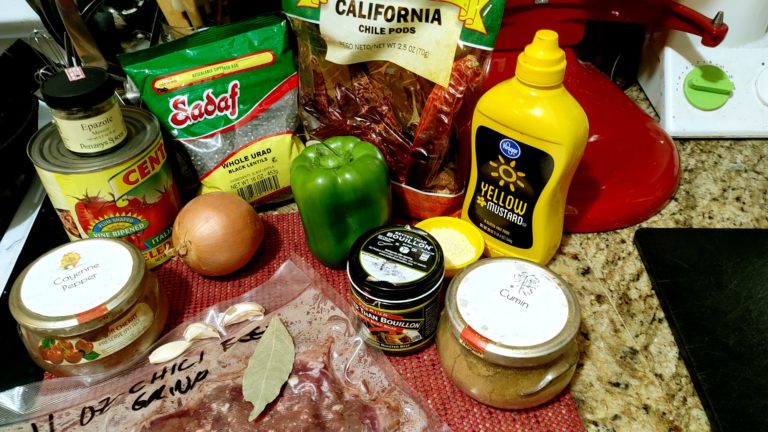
(336, 382)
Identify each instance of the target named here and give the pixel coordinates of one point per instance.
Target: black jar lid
(81, 87)
(396, 264)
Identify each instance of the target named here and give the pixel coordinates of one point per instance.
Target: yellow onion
(217, 233)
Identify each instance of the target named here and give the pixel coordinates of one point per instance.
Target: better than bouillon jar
(396, 273)
(85, 109)
(507, 336)
(88, 308)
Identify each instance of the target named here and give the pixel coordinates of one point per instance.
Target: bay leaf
(269, 367)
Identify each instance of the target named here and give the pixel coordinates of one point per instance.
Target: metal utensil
(82, 41)
(552, 375)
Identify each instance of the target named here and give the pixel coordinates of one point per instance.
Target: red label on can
(136, 201)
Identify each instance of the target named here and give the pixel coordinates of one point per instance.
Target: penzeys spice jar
(85, 109)
(89, 307)
(507, 334)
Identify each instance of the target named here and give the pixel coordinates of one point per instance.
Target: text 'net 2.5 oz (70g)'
(403, 75)
(228, 96)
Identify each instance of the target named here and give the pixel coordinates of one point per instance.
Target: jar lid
(512, 312)
(395, 263)
(70, 288)
(77, 87)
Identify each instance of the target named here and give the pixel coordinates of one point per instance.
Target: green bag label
(195, 85)
(224, 94)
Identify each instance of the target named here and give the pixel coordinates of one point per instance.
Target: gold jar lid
(512, 312)
(78, 286)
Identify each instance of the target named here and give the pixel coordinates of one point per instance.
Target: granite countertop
(632, 377)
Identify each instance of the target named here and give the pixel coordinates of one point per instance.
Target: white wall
(17, 21)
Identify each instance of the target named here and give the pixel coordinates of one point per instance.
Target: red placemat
(190, 293)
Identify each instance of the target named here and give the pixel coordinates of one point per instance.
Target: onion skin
(217, 233)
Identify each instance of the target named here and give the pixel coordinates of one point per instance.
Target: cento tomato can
(127, 194)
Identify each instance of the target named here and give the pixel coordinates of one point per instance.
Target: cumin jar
(89, 307)
(507, 335)
(396, 274)
(85, 109)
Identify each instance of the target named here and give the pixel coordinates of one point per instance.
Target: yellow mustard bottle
(528, 136)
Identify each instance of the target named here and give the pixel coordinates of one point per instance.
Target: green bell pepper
(341, 187)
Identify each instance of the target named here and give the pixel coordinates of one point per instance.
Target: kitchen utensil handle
(175, 18)
(85, 46)
(658, 13)
(190, 7)
(712, 30)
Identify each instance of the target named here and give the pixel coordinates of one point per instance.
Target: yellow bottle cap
(542, 63)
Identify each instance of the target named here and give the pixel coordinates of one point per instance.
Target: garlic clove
(240, 312)
(198, 331)
(169, 351)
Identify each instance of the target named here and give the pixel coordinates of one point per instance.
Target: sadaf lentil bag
(228, 96)
(404, 75)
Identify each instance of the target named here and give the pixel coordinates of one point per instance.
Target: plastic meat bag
(404, 75)
(228, 98)
(337, 382)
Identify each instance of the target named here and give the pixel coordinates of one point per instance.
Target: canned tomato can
(396, 274)
(128, 193)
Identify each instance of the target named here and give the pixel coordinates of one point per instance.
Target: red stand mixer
(630, 168)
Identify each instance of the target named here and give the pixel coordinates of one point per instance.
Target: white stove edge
(21, 225)
(18, 230)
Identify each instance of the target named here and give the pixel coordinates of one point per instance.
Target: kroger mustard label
(528, 136)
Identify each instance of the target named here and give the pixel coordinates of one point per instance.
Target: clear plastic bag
(404, 76)
(227, 99)
(337, 383)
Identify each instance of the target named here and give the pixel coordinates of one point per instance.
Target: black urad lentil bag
(228, 97)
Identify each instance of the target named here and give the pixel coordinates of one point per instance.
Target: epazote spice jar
(396, 273)
(88, 308)
(507, 334)
(85, 109)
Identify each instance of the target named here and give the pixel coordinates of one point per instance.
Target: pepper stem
(330, 149)
(333, 160)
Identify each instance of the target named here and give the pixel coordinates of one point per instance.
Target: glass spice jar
(89, 307)
(507, 334)
(85, 109)
(396, 274)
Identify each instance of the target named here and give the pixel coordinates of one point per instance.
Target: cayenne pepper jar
(85, 109)
(89, 307)
(507, 335)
